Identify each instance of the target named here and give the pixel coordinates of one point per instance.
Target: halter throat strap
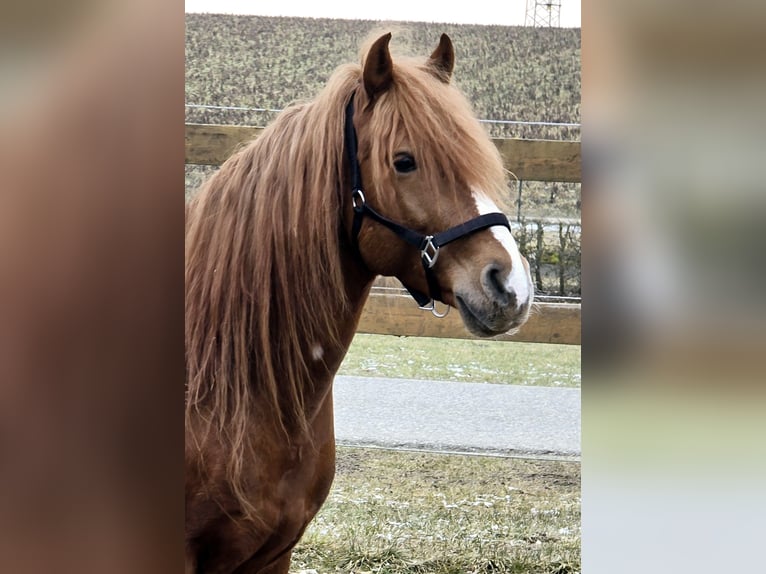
(428, 245)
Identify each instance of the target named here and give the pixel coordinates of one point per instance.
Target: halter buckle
(429, 252)
(432, 307)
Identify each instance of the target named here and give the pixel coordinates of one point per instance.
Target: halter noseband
(428, 245)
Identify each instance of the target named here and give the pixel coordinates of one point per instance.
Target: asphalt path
(510, 420)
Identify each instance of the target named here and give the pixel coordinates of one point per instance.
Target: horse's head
(428, 165)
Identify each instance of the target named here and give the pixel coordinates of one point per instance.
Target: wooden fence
(391, 311)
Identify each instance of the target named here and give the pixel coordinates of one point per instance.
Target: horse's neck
(327, 357)
(358, 282)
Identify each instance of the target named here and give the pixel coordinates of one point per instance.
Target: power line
(486, 121)
(236, 108)
(525, 123)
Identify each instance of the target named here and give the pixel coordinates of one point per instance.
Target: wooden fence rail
(529, 160)
(394, 312)
(391, 311)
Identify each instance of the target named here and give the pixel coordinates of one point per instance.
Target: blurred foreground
(91, 287)
(673, 330)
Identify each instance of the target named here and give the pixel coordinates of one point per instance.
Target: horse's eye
(404, 163)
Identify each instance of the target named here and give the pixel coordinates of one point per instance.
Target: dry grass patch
(467, 360)
(405, 512)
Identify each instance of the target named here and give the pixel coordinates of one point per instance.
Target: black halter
(428, 245)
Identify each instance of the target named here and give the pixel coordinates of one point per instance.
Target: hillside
(509, 73)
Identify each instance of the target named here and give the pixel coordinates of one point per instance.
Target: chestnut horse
(386, 172)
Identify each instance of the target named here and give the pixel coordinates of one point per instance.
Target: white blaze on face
(518, 280)
(317, 352)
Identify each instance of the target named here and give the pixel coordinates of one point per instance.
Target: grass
(403, 512)
(478, 361)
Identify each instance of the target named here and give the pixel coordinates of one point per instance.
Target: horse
(386, 171)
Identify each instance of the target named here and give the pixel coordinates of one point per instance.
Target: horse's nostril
(493, 280)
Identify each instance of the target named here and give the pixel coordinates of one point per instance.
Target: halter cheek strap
(428, 245)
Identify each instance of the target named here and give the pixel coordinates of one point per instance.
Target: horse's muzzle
(497, 307)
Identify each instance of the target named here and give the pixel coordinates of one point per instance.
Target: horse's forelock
(439, 122)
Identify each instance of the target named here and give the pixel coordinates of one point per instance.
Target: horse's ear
(442, 61)
(378, 67)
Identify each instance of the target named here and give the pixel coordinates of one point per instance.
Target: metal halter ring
(432, 307)
(357, 193)
(429, 252)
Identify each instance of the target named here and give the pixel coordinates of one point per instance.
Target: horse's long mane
(263, 255)
(263, 274)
